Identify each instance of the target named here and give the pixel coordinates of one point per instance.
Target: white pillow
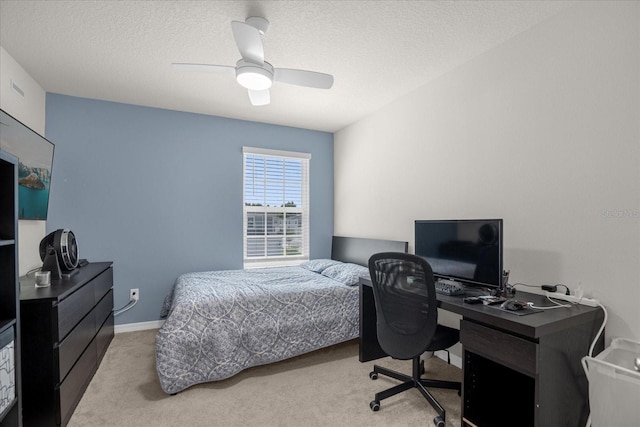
(346, 273)
(318, 265)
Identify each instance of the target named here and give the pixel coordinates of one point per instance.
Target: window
(276, 207)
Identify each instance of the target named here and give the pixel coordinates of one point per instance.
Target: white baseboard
(140, 326)
(455, 359)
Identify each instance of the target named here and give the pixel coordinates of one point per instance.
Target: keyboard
(446, 288)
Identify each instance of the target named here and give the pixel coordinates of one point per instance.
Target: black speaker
(59, 252)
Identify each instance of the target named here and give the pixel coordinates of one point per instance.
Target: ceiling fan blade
(205, 68)
(259, 97)
(303, 78)
(248, 41)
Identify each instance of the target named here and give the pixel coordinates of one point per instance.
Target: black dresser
(66, 329)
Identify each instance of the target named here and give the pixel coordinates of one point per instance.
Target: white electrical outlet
(134, 294)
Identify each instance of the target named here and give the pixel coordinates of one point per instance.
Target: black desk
(517, 370)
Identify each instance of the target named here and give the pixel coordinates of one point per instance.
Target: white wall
(30, 110)
(542, 131)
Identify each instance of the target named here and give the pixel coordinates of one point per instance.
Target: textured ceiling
(377, 51)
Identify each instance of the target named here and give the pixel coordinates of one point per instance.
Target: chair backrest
(406, 306)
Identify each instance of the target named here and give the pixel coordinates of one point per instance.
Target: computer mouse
(513, 305)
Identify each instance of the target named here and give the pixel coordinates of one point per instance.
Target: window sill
(250, 265)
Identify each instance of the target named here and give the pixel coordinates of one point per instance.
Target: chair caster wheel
(373, 375)
(375, 406)
(438, 421)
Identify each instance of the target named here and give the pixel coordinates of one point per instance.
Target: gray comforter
(219, 323)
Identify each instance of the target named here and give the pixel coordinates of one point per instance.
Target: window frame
(280, 260)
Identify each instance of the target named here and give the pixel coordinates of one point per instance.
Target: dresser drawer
(73, 308)
(103, 310)
(104, 337)
(75, 383)
(102, 284)
(74, 344)
(506, 349)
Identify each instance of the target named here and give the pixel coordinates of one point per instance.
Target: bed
(219, 323)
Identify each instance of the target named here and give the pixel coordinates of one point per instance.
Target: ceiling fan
(252, 71)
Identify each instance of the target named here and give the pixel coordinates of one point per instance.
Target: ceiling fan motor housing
(259, 23)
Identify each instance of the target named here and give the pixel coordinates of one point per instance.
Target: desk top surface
(534, 325)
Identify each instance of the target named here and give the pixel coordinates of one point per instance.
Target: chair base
(413, 381)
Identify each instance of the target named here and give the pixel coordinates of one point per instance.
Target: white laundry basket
(614, 385)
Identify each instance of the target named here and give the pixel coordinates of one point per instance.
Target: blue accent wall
(159, 192)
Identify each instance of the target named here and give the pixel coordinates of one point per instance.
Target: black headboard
(358, 250)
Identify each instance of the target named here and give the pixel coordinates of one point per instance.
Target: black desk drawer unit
(67, 329)
(499, 372)
(506, 349)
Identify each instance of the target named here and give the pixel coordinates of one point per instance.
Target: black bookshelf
(11, 406)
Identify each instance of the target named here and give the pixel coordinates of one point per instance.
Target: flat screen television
(35, 156)
(465, 251)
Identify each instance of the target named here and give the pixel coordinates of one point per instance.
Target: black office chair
(407, 323)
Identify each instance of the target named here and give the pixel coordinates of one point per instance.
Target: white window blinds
(276, 207)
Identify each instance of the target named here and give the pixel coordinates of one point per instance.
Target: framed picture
(35, 155)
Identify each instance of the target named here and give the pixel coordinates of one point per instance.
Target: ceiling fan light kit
(252, 71)
(254, 77)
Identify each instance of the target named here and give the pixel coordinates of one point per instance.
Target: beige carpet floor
(328, 387)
